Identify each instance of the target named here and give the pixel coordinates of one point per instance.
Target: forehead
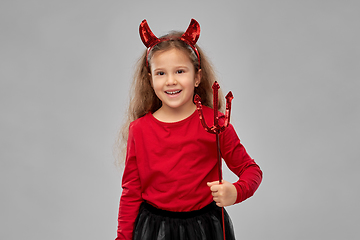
(172, 56)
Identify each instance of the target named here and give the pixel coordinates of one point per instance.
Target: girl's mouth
(173, 92)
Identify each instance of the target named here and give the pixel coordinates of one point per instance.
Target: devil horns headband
(190, 37)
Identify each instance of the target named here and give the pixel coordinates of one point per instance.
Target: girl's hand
(224, 194)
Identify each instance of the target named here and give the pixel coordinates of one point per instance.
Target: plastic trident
(216, 128)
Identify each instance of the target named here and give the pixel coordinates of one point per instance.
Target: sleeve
(240, 163)
(131, 195)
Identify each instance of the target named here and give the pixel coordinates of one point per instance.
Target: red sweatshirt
(169, 164)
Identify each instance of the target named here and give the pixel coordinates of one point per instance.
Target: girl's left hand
(224, 194)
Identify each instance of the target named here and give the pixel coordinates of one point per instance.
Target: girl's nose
(171, 80)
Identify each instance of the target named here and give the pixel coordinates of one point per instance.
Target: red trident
(216, 128)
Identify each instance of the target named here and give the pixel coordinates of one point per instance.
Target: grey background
(65, 68)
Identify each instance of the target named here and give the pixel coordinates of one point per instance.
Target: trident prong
(216, 128)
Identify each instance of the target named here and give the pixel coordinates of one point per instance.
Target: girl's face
(173, 78)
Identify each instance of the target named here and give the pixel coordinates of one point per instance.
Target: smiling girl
(169, 182)
(173, 78)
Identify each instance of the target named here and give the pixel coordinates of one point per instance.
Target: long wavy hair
(143, 98)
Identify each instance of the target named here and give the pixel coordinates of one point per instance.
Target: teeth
(173, 92)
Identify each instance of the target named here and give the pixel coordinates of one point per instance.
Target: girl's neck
(166, 114)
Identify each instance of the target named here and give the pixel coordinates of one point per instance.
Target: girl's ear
(150, 80)
(198, 78)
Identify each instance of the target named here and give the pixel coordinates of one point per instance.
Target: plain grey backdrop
(65, 69)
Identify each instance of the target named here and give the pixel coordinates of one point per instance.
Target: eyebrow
(182, 67)
(176, 67)
(158, 69)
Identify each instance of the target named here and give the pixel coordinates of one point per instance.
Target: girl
(169, 182)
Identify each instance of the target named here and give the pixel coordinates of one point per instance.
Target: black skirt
(204, 224)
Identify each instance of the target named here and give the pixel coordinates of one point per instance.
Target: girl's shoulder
(142, 121)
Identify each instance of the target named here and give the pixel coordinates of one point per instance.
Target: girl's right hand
(224, 194)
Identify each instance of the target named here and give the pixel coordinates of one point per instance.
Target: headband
(190, 37)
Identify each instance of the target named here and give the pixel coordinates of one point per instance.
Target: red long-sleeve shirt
(169, 164)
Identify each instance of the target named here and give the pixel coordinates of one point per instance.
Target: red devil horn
(190, 37)
(147, 36)
(192, 33)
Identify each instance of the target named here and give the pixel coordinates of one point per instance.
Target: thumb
(210, 184)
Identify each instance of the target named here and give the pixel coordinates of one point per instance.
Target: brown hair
(142, 96)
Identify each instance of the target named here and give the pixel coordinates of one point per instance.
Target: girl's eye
(160, 73)
(180, 71)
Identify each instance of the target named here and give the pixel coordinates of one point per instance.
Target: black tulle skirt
(204, 224)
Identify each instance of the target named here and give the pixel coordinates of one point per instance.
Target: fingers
(218, 201)
(224, 194)
(215, 188)
(210, 184)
